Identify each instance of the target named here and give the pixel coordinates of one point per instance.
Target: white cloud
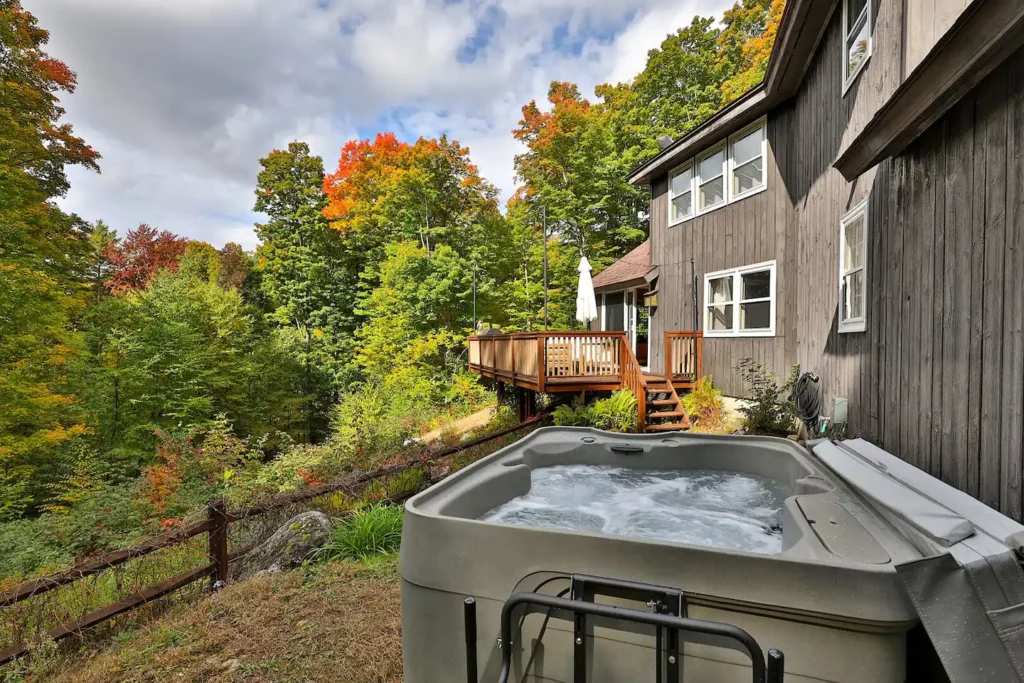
(183, 98)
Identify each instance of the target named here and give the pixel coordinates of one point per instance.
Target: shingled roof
(633, 266)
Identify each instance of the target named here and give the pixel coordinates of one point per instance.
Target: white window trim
(728, 167)
(849, 80)
(860, 210)
(693, 197)
(730, 163)
(736, 274)
(698, 180)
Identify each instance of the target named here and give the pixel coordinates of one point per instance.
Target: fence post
(217, 513)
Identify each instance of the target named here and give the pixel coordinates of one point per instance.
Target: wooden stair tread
(667, 427)
(668, 413)
(663, 402)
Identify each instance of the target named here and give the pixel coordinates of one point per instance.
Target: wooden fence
(217, 526)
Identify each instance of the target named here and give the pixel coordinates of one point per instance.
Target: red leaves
(140, 256)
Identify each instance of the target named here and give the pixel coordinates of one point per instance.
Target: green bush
(615, 414)
(704, 403)
(767, 412)
(374, 531)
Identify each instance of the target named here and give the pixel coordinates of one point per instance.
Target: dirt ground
(327, 622)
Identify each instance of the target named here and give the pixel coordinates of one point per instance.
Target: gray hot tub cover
(969, 591)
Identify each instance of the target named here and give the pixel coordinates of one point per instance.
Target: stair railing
(633, 378)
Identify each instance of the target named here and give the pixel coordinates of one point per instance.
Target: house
(861, 214)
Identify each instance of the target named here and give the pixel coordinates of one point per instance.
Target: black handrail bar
(697, 630)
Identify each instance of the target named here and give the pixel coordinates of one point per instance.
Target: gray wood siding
(927, 21)
(738, 234)
(938, 376)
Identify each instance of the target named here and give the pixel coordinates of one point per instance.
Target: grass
(333, 621)
(374, 531)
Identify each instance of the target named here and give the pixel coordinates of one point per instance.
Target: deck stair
(665, 412)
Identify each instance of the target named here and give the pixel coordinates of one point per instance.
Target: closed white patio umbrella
(586, 301)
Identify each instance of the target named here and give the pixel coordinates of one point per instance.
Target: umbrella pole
(544, 223)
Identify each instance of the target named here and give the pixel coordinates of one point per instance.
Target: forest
(143, 374)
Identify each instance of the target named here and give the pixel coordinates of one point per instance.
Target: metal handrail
(694, 630)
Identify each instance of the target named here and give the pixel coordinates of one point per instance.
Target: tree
(235, 265)
(201, 261)
(304, 272)
(44, 258)
(143, 253)
(746, 44)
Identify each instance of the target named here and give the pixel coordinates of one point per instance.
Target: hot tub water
(702, 507)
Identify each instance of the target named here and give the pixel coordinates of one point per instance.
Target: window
(857, 32)
(746, 162)
(731, 171)
(711, 180)
(680, 194)
(853, 259)
(740, 302)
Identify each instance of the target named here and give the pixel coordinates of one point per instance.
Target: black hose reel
(807, 397)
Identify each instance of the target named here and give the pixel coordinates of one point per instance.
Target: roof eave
(984, 36)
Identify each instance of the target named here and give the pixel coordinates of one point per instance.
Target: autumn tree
(746, 42)
(144, 252)
(44, 259)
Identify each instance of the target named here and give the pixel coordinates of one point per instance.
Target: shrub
(374, 531)
(704, 403)
(575, 414)
(767, 412)
(615, 414)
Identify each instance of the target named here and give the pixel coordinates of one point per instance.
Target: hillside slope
(326, 622)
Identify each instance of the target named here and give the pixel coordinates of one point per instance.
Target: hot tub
(753, 531)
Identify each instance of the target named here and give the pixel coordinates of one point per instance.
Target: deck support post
(501, 393)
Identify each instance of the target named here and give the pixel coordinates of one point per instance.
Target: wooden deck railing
(683, 357)
(633, 379)
(546, 360)
(561, 361)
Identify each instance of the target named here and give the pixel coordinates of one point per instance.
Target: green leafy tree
(201, 261)
(304, 274)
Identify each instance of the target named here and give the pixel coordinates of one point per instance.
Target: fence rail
(217, 526)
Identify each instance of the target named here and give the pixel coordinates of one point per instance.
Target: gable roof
(633, 266)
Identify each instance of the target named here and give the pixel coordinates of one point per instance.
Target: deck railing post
(542, 363)
(217, 512)
(668, 355)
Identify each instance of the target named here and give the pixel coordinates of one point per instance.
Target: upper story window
(728, 172)
(747, 151)
(853, 261)
(740, 302)
(680, 194)
(857, 34)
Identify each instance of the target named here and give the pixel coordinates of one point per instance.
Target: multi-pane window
(853, 255)
(740, 302)
(711, 180)
(857, 32)
(680, 194)
(746, 158)
(731, 171)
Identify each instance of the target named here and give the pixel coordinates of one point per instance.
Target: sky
(183, 97)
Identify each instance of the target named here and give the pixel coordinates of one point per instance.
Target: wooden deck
(564, 362)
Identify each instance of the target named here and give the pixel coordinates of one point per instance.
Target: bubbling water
(701, 507)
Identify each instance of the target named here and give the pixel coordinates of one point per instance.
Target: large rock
(289, 546)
